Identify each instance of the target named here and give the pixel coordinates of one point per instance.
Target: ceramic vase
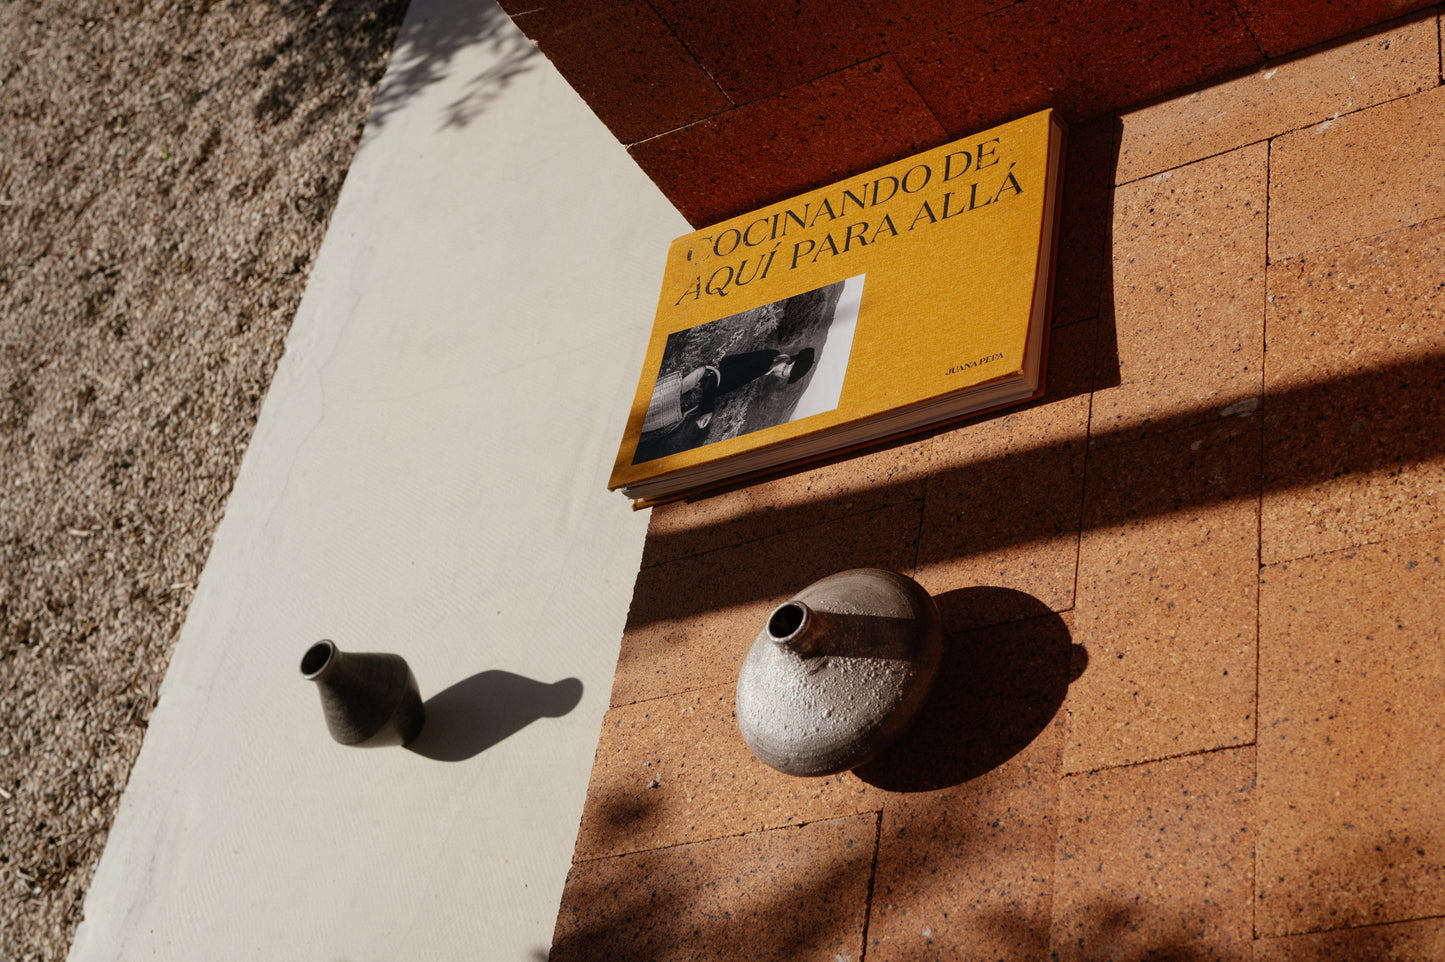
(370, 699)
(839, 672)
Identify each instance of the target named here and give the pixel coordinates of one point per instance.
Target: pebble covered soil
(167, 170)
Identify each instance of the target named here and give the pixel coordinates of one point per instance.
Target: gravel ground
(167, 170)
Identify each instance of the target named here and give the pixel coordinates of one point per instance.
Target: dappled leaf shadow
(433, 38)
(1119, 932)
(329, 50)
(786, 894)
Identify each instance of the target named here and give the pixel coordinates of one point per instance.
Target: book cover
(890, 302)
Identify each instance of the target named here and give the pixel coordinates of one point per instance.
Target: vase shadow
(478, 712)
(997, 688)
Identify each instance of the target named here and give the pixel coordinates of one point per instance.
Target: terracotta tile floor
(1192, 703)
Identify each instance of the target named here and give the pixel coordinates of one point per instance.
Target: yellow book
(893, 301)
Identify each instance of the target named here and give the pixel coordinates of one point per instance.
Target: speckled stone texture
(692, 620)
(1283, 26)
(843, 488)
(1356, 386)
(1422, 941)
(1358, 175)
(1082, 56)
(731, 106)
(1298, 92)
(1190, 703)
(1167, 581)
(967, 840)
(1083, 222)
(673, 770)
(756, 48)
(1187, 286)
(1154, 861)
(648, 83)
(805, 137)
(1003, 495)
(1351, 758)
(786, 895)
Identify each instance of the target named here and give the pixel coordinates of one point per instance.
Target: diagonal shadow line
(1390, 416)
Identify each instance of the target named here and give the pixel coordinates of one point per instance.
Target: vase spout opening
(787, 622)
(316, 659)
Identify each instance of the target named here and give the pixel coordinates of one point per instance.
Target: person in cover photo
(694, 396)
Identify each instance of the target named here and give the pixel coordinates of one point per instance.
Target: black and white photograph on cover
(772, 364)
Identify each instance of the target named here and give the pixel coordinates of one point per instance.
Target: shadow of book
(478, 712)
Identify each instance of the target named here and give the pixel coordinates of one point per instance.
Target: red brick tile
(1082, 56)
(1155, 861)
(1167, 597)
(789, 894)
(967, 839)
(1363, 305)
(913, 20)
(966, 873)
(1355, 404)
(674, 770)
(1003, 496)
(693, 620)
(755, 49)
(1422, 941)
(1360, 175)
(1186, 298)
(1279, 97)
(646, 84)
(806, 137)
(1351, 758)
(848, 486)
(1283, 26)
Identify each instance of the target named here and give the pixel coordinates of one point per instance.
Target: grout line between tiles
(691, 53)
(918, 531)
(872, 879)
(1269, 140)
(1349, 928)
(1321, 251)
(674, 694)
(1162, 758)
(1105, 264)
(878, 812)
(947, 134)
(1355, 546)
(1244, 22)
(1259, 542)
(690, 123)
(1089, 422)
(1058, 826)
(1154, 435)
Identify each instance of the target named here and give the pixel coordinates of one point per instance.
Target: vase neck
(801, 629)
(319, 661)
